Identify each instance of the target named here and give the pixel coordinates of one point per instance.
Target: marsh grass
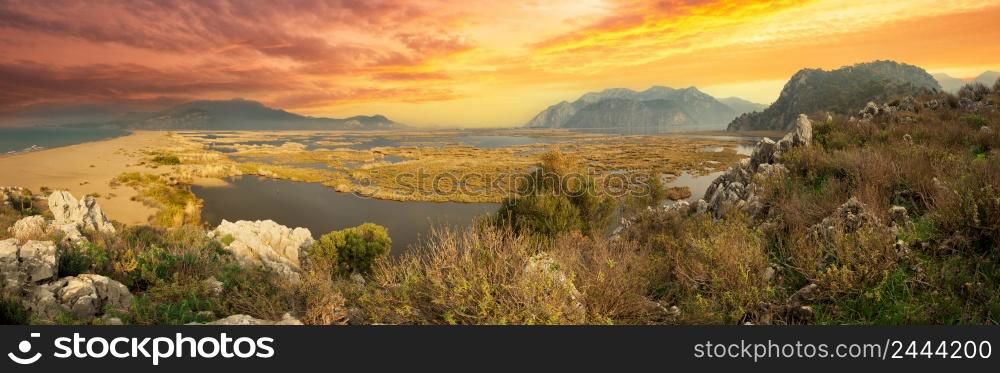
(176, 205)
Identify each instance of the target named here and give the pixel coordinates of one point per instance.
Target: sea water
(17, 140)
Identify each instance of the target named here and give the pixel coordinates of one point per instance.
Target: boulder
(266, 243)
(763, 153)
(870, 111)
(214, 287)
(853, 215)
(850, 217)
(286, 319)
(803, 296)
(85, 213)
(69, 231)
(85, 296)
(26, 264)
(38, 260)
(737, 187)
(10, 264)
(801, 135)
(543, 266)
(899, 216)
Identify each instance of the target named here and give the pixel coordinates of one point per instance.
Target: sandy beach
(87, 168)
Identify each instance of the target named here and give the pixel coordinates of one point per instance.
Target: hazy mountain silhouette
(742, 106)
(949, 83)
(656, 108)
(238, 114)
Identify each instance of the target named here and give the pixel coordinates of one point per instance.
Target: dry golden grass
(448, 171)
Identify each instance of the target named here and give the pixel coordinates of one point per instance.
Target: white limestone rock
(85, 213)
(26, 264)
(543, 267)
(85, 296)
(286, 319)
(267, 244)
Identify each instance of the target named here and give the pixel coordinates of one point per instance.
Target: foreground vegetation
(923, 185)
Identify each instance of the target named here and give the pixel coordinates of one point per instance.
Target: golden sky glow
(468, 63)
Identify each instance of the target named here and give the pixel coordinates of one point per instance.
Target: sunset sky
(465, 63)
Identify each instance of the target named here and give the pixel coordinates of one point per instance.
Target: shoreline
(87, 168)
(31, 149)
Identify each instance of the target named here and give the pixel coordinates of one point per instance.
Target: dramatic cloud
(477, 62)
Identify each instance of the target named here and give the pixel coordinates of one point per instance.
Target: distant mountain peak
(243, 114)
(657, 107)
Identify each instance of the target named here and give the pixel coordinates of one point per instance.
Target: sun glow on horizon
(481, 63)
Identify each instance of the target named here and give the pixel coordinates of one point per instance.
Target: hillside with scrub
(887, 215)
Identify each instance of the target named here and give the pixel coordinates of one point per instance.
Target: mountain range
(842, 91)
(656, 109)
(952, 84)
(238, 114)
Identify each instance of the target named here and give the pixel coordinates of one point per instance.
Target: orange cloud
(477, 62)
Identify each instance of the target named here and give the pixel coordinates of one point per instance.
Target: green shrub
(975, 121)
(545, 215)
(352, 249)
(13, 312)
(166, 160)
(24, 205)
(74, 260)
(557, 198)
(172, 305)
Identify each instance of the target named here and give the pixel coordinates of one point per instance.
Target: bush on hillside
(353, 249)
(557, 198)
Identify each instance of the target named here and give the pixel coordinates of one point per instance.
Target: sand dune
(87, 168)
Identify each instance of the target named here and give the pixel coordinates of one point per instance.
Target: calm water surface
(322, 209)
(15, 140)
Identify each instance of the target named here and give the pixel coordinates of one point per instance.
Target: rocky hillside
(842, 91)
(656, 108)
(886, 216)
(239, 114)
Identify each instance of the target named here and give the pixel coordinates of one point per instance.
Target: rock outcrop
(265, 243)
(85, 213)
(738, 186)
(72, 218)
(286, 319)
(23, 265)
(850, 217)
(542, 268)
(85, 296)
